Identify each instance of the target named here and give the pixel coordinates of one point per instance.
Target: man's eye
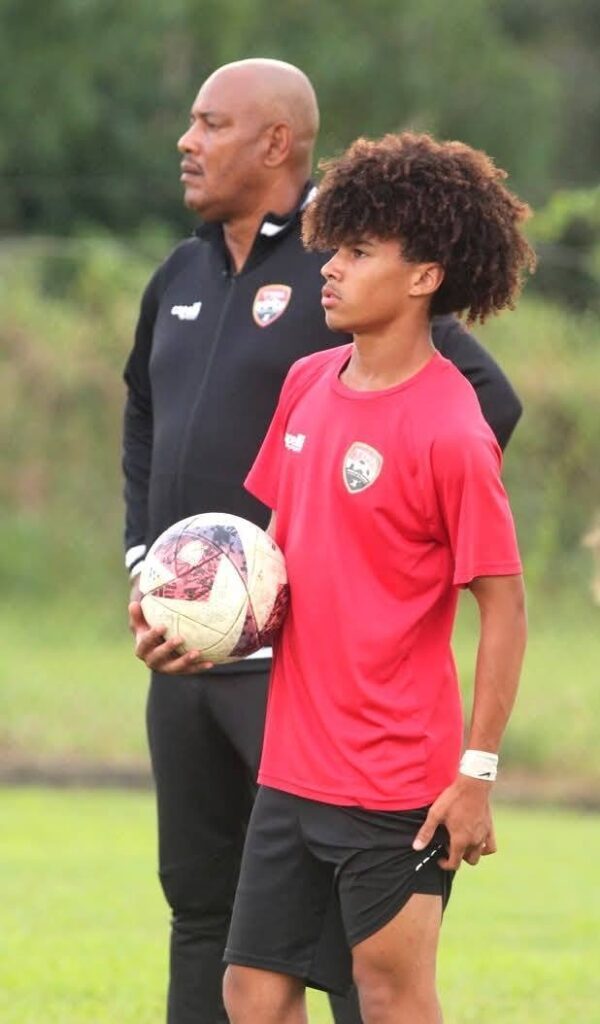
(358, 252)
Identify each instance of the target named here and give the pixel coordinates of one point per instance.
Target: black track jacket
(210, 355)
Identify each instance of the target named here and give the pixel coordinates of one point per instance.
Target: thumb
(425, 833)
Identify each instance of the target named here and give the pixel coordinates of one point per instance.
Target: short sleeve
(263, 479)
(473, 505)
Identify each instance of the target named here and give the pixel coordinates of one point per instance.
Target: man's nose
(187, 143)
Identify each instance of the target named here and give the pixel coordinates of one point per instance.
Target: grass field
(84, 926)
(78, 693)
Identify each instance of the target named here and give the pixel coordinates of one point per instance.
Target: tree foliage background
(95, 95)
(95, 92)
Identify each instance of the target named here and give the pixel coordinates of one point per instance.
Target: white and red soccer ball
(218, 582)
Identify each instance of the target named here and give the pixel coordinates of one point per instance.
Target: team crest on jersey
(270, 302)
(362, 466)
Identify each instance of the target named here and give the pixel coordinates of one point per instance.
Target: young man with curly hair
(384, 481)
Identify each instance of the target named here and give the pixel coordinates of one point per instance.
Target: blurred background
(94, 99)
(94, 96)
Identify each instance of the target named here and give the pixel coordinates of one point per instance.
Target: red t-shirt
(387, 501)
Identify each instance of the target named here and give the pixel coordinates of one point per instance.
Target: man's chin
(196, 201)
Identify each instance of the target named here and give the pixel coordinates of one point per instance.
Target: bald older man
(221, 321)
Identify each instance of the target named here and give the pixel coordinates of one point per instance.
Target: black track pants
(205, 734)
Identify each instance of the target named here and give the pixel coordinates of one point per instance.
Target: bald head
(270, 91)
(249, 146)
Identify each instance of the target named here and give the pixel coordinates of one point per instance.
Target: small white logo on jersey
(295, 442)
(187, 312)
(362, 466)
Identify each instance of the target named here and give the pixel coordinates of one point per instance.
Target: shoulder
(456, 427)
(455, 398)
(186, 252)
(306, 371)
(181, 255)
(287, 251)
(317, 363)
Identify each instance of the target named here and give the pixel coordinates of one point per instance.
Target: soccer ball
(218, 582)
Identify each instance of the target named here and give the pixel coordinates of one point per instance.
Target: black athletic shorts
(316, 879)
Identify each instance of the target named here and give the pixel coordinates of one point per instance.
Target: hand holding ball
(218, 582)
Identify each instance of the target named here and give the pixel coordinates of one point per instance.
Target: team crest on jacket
(270, 302)
(362, 466)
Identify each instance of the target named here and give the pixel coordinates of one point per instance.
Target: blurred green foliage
(95, 94)
(567, 236)
(552, 468)
(69, 308)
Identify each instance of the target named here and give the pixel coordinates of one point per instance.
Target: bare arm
(464, 807)
(503, 634)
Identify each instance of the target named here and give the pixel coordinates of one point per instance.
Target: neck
(390, 356)
(240, 231)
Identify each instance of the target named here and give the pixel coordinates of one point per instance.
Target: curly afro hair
(443, 201)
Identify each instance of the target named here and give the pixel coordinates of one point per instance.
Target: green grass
(554, 726)
(83, 937)
(70, 686)
(522, 938)
(71, 689)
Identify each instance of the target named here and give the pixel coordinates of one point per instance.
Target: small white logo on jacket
(187, 312)
(270, 302)
(295, 442)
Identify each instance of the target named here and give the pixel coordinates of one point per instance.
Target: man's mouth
(190, 171)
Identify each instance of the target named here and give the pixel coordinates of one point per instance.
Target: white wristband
(479, 764)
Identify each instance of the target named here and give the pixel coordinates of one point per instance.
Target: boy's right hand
(156, 652)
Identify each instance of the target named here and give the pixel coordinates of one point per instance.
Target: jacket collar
(272, 226)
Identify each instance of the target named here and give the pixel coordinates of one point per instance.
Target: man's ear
(278, 143)
(427, 279)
